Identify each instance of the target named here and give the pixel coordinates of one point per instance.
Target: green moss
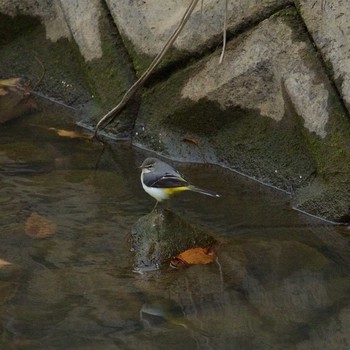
(140, 60)
(112, 75)
(11, 27)
(333, 153)
(52, 67)
(161, 235)
(329, 195)
(298, 6)
(284, 153)
(63, 72)
(275, 152)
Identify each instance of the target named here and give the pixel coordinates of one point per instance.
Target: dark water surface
(282, 283)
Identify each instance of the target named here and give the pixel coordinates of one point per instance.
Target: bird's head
(148, 165)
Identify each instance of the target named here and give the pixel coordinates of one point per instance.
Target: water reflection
(282, 282)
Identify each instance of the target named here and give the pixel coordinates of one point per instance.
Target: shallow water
(282, 281)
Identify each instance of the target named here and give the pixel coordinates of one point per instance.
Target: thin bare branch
(139, 83)
(224, 33)
(42, 73)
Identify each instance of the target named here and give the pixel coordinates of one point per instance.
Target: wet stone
(162, 234)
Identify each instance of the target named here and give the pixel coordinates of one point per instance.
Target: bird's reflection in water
(167, 313)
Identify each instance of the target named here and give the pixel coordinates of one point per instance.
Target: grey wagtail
(160, 180)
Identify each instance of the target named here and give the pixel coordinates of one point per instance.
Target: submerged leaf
(37, 226)
(193, 256)
(71, 134)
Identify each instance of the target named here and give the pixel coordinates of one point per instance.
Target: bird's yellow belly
(174, 190)
(161, 194)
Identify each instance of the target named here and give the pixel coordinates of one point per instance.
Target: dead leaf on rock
(36, 226)
(193, 256)
(71, 134)
(190, 140)
(13, 82)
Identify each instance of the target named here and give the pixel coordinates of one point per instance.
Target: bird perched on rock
(160, 180)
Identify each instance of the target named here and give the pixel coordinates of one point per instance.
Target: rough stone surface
(64, 19)
(50, 13)
(268, 111)
(94, 69)
(83, 21)
(12, 101)
(29, 54)
(160, 235)
(109, 77)
(328, 24)
(274, 61)
(146, 26)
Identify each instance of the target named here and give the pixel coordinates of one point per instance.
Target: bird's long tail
(203, 191)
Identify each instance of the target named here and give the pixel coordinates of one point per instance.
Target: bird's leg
(155, 206)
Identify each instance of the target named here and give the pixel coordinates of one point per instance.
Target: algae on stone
(269, 111)
(160, 235)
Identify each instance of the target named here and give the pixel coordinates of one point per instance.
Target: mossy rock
(162, 234)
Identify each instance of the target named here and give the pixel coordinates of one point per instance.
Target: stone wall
(276, 109)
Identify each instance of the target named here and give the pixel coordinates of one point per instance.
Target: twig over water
(107, 118)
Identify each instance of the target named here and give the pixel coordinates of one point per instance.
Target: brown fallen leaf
(36, 226)
(193, 256)
(8, 83)
(190, 140)
(71, 134)
(13, 82)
